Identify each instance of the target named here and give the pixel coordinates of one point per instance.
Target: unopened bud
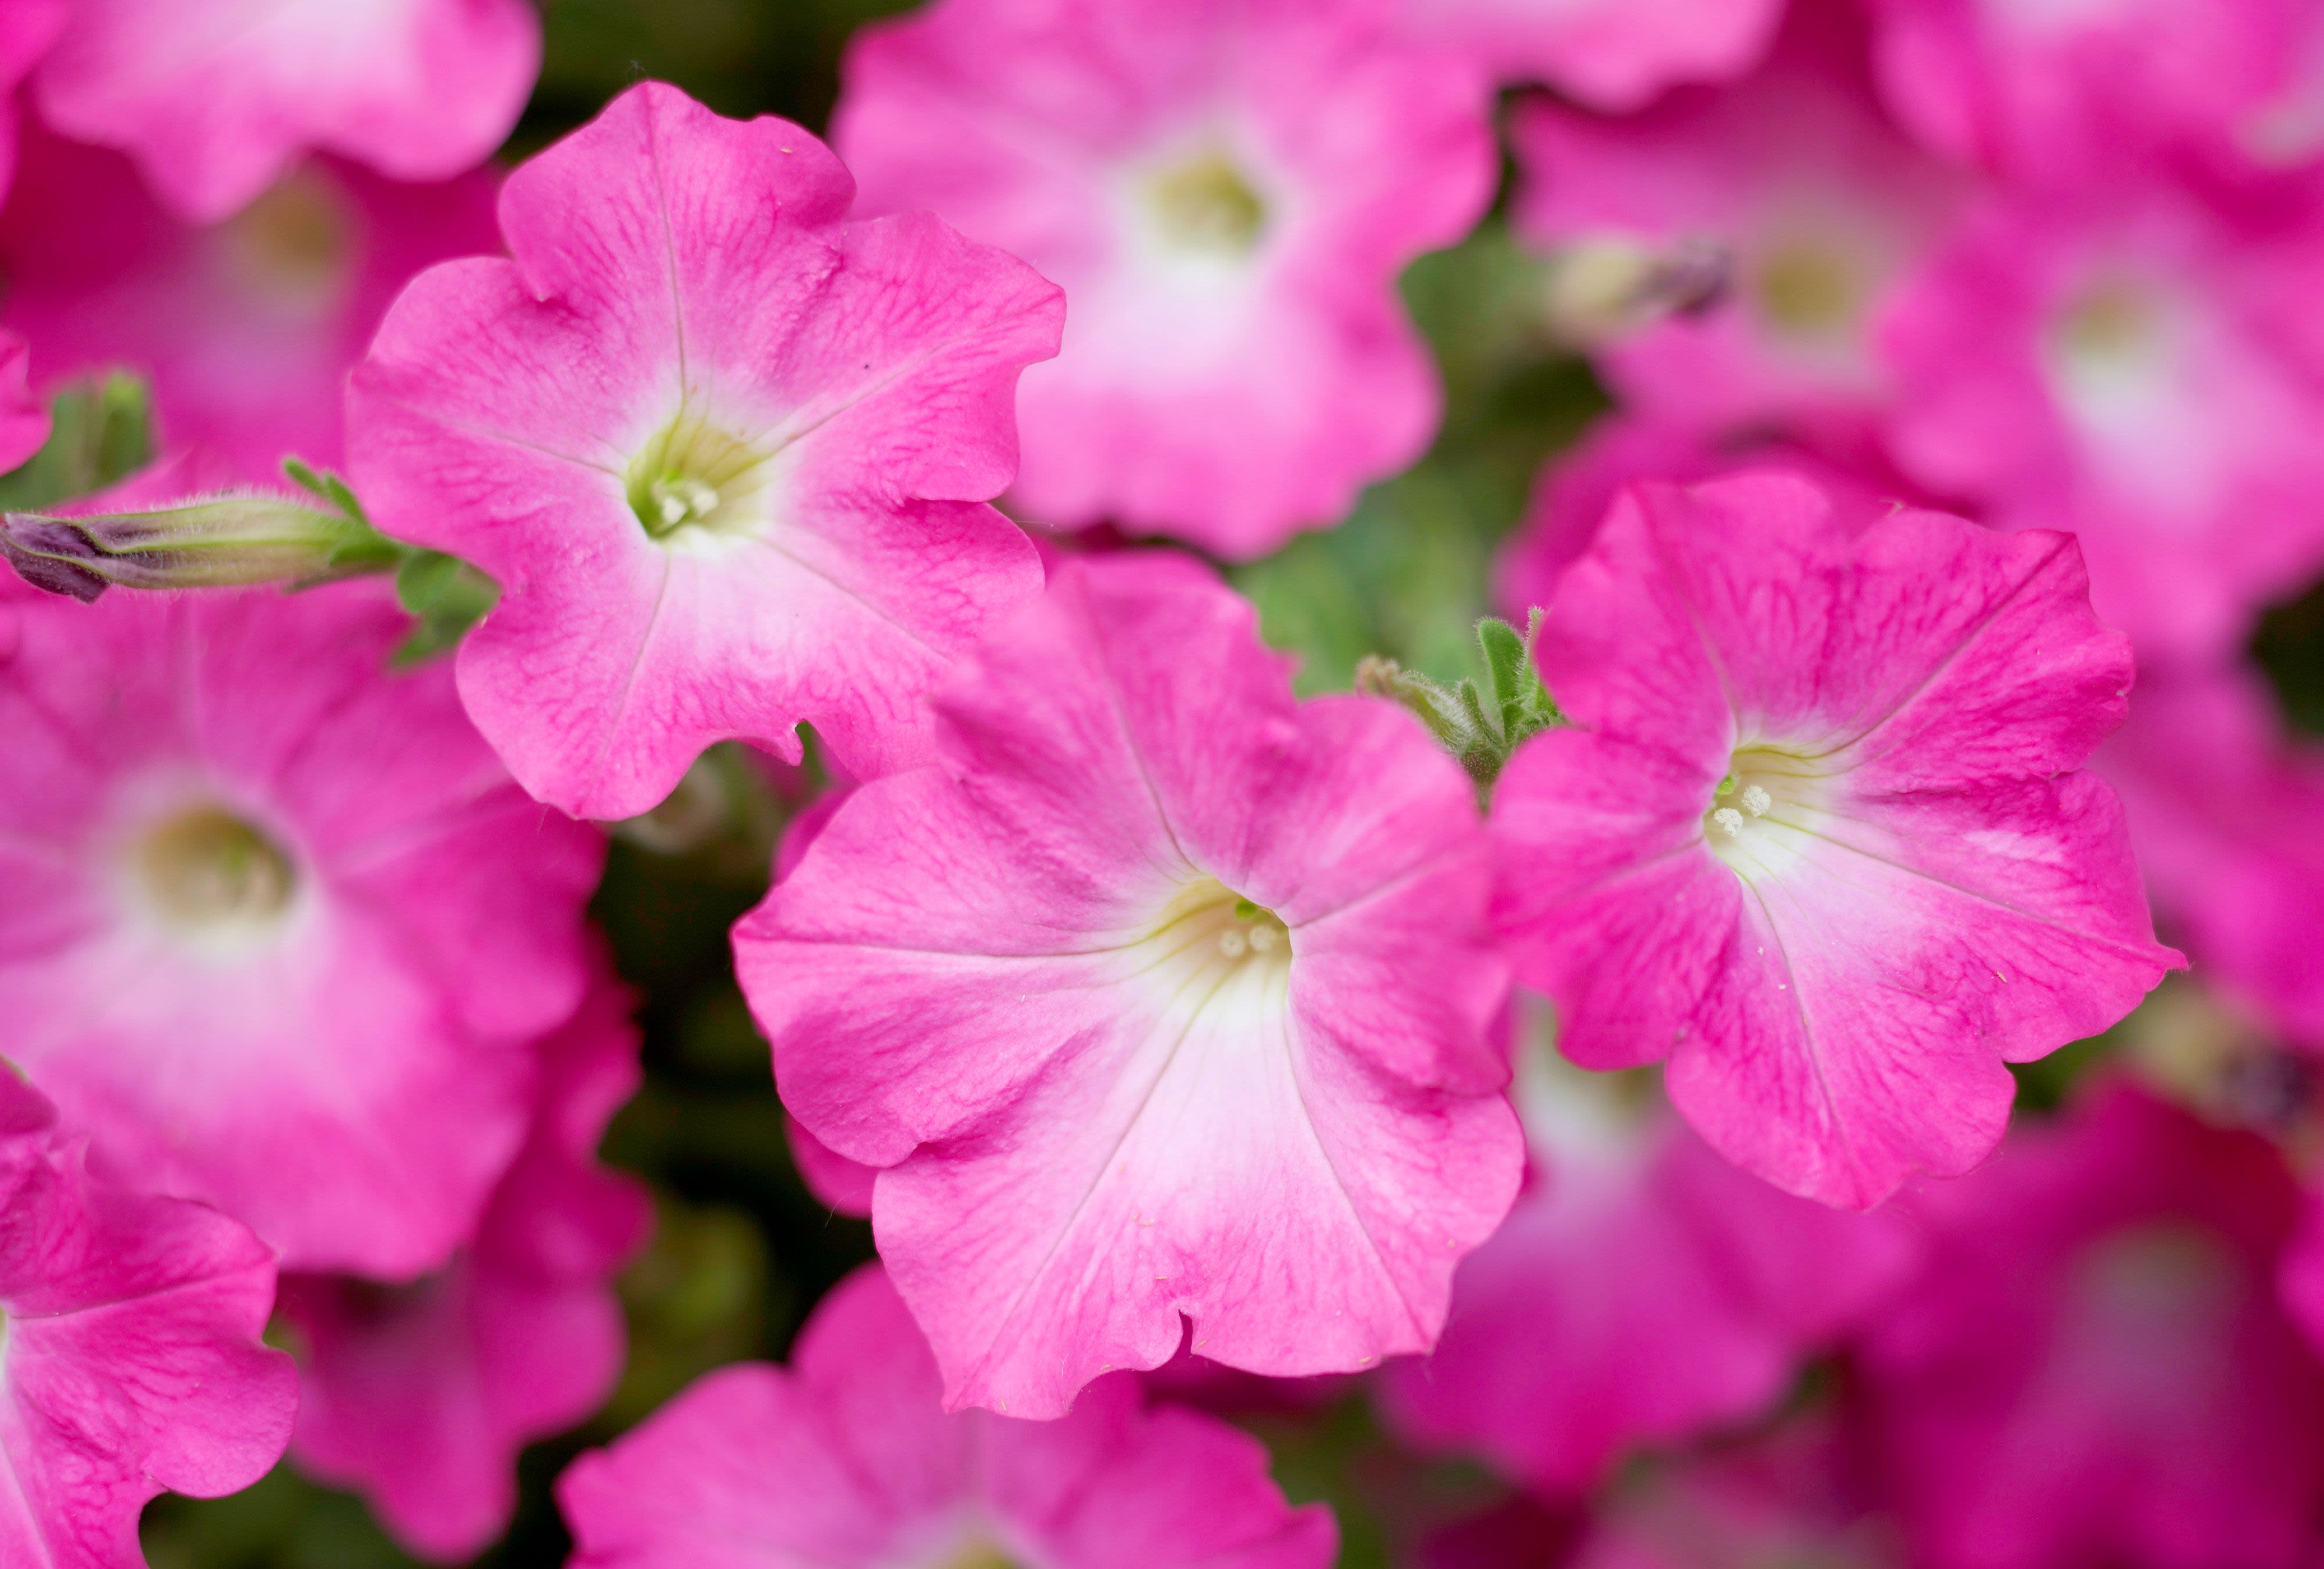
(217, 541)
(1603, 288)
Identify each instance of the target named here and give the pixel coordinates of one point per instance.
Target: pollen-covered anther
(1757, 801)
(1727, 821)
(682, 500)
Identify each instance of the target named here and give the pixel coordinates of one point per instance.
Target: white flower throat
(1761, 811)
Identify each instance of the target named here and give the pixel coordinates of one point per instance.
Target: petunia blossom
(1818, 833)
(133, 1362)
(846, 1459)
(2065, 94)
(1818, 209)
(420, 1396)
(217, 99)
(2144, 368)
(1160, 996)
(276, 928)
(2227, 813)
(1614, 55)
(244, 330)
(2094, 1366)
(1643, 1292)
(726, 452)
(1227, 189)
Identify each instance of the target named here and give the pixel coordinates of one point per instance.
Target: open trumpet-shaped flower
(2142, 366)
(132, 1361)
(422, 1395)
(1817, 209)
(846, 1459)
(1161, 996)
(1819, 833)
(276, 928)
(1227, 190)
(244, 329)
(726, 453)
(217, 99)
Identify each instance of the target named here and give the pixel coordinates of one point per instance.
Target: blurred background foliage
(742, 1251)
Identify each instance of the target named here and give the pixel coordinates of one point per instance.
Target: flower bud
(1602, 289)
(217, 541)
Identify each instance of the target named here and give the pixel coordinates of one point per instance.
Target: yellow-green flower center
(296, 242)
(2111, 322)
(1766, 789)
(1205, 204)
(1209, 922)
(979, 1555)
(694, 475)
(1808, 288)
(208, 867)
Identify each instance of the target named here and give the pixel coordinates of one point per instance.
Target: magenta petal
(217, 99)
(133, 1360)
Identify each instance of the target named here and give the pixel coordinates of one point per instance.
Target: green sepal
(446, 596)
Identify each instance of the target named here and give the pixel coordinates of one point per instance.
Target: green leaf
(1507, 670)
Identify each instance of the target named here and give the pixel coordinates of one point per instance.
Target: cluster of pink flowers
(1578, 1084)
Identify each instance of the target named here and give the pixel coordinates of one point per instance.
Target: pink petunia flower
(1614, 55)
(245, 330)
(217, 99)
(133, 1360)
(2147, 371)
(420, 1396)
(1818, 833)
(27, 29)
(1227, 189)
(2094, 1366)
(1161, 997)
(2227, 813)
(1818, 208)
(847, 1460)
(275, 927)
(2060, 94)
(726, 452)
(24, 417)
(1643, 1292)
